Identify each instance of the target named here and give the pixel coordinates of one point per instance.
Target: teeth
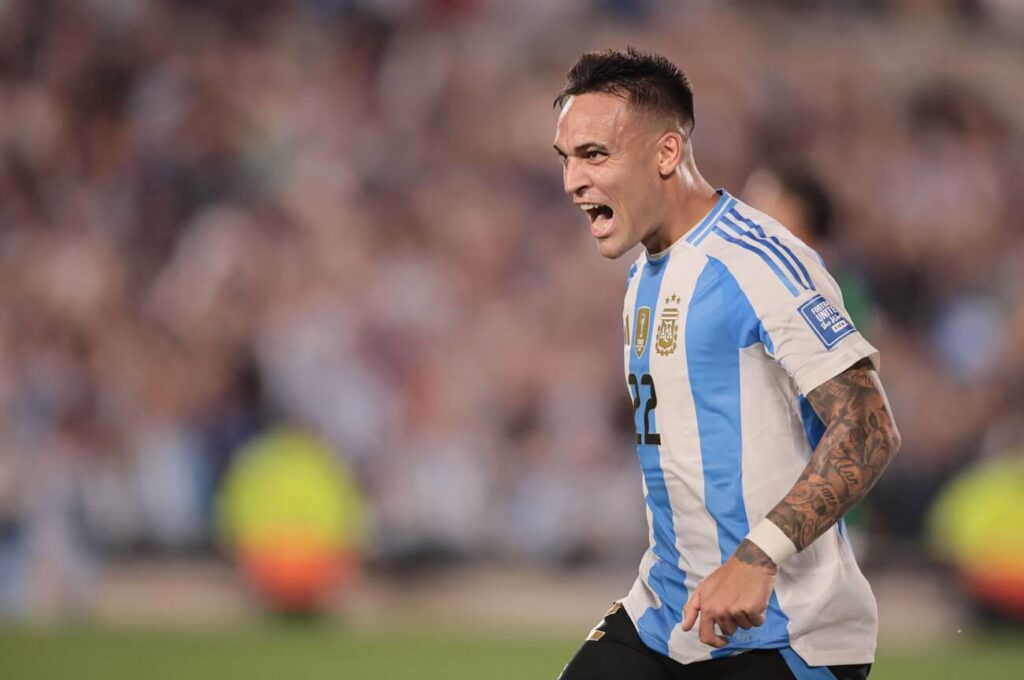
(589, 206)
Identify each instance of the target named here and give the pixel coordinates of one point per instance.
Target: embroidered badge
(643, 330)
(668, 328)
(827, 322)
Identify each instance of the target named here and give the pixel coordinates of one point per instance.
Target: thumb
(690, 611)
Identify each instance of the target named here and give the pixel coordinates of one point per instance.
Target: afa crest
(643, 330)
(668, 329)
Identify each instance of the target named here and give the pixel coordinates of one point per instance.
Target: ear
(671, 152)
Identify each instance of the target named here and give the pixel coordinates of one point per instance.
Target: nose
(574, 176)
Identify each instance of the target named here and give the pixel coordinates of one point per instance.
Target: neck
(690, 199)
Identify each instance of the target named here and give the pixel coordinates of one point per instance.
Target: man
(760, 418)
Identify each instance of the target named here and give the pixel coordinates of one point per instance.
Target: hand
(734, 596)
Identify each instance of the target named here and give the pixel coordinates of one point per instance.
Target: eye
(594, 154)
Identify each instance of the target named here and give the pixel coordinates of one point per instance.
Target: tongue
(602, 223)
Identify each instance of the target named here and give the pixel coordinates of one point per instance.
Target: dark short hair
(648, 81)
(813, 196)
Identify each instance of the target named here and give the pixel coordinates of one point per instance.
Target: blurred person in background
(766, 391)
(797, 198)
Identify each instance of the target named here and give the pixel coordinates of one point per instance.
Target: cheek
(639, 199)
(651, 198)
(638, 190)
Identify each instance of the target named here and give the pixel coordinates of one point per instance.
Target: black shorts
(614, 651)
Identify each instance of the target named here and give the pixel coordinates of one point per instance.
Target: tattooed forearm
(749, 553)
(860, 440)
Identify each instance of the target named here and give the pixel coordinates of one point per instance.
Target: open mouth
(600, 215)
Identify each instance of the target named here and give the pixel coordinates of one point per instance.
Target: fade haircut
(648, 81)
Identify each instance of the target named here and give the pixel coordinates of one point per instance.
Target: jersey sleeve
(806, 327)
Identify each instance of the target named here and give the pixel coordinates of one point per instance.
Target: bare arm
(860, 440)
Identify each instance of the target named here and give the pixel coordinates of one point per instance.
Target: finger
(690, 611)
(707, 630)
(758, 619)
(727, 625)
(744, 620)
(708, 635)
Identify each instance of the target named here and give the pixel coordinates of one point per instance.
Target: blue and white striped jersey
(725, 332)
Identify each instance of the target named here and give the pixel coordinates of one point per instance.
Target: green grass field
(299, 652)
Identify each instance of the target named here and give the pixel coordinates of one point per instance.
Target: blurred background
(295, 319)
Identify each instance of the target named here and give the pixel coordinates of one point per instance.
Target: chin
(611, 249)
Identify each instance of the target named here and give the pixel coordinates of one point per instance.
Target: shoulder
(633, 280)
(636, 268)
(760, 253)
(777, 233)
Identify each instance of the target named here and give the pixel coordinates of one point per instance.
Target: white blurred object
(169, 476)
(970, 335)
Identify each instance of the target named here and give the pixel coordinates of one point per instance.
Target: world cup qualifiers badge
(668, 328)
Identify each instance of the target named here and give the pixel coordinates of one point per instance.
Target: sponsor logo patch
(827, 322)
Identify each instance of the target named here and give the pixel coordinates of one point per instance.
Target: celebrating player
(760, 418)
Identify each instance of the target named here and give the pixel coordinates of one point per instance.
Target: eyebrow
(583, 148)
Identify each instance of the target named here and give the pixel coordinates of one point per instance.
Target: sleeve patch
(827, 322)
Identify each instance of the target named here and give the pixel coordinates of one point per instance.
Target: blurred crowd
(217, 216)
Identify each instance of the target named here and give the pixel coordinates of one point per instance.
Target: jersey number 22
(647, 437)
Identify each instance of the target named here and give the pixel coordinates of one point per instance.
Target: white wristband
(769, 538)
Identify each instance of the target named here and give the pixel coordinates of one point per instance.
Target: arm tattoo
(859, 441)
(749, 553)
